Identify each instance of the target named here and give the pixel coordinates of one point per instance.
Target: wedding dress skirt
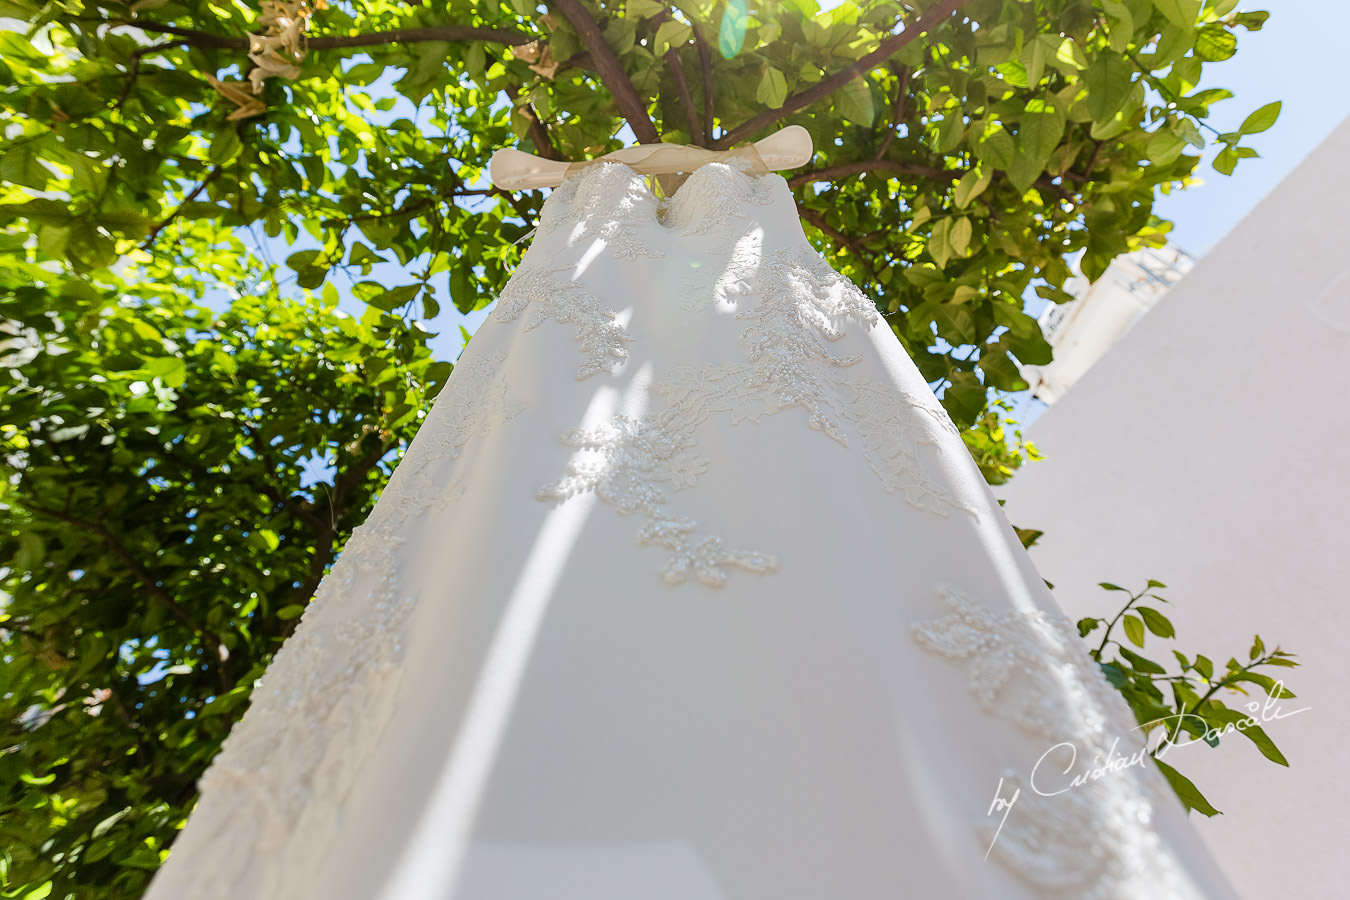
(687, 589)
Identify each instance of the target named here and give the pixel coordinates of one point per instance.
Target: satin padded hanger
(516, 170)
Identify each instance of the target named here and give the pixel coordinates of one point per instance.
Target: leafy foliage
(1186, 707)
(191, 430)
(179, 478)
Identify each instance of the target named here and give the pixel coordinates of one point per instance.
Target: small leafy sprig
(1188, 703)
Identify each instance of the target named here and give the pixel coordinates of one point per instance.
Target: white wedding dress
(687, 589)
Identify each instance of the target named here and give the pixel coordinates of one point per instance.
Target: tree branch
(134, 68)
(148, 583)
(828, 85)
(328, 530)
(696, 133)
(897, 111)
(543, 144)
(829, 173)
(328, 42)
(611, 70)
(154, 232)
(705, 63)
(859, 252)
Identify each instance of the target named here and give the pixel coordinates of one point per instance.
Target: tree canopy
(190, 428)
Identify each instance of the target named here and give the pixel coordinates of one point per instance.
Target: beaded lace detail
(616, 206)
(1089, 839)
(326, 697)
(629, 462)
(551, 295)
(799, 311)
(715, 195)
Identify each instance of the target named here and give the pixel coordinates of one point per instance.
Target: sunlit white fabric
(686, 588)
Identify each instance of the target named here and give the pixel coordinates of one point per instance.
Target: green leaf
(225, 146)
(21, 166)
(1248, 728)
(938, 245)
(1041, 129)
(1156, 622)
(1258, 648)
(394, 298)
(1186, 791)
(772, 90)
(1109, 81)
(1111, 587)
(1182, 13)
(1214, 43)
(1120, 28)
(1036, 52)
(1134, 630)
(1205, 667)
(363, 256)
(971, 185)
(1087, 626)
(994, 145)
(1142, 663)
(1164, 147)
(287, 613)
(951, 131)
(853, 102)
(958, 236)
(1261, 119)
(643, 9)
(168, 369)
(1024, 171)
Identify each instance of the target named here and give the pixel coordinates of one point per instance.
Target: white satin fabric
(687, 589)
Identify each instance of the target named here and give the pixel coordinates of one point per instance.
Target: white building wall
(1210, 449)
(1082, 330)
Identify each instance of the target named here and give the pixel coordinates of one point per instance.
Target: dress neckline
(611, 187)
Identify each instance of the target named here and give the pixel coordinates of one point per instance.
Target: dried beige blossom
(276, 53)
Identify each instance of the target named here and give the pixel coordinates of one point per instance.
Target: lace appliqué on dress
(803, 308)
(326, 697)
(715, 195)
(1088, 838)
(627, 462)
(608, 201)
(551, 295)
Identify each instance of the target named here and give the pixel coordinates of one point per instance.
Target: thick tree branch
(611, 71)
(859, 252)
(828, 85)
(830, 173)
(327, 42)
(696, 133)
(543, 144)
(862, 167)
